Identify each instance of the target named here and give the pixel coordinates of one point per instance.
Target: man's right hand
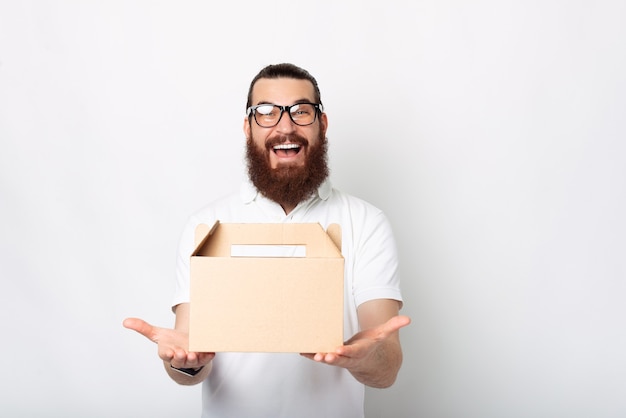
(172, 344)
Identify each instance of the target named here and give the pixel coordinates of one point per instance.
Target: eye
(266, 110)
(300, 110)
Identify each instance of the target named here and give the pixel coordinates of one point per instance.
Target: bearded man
(285, 127)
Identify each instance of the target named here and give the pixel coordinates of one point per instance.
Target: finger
(180, 354)
(393, 325)
(379, 333)
(166, 355)
(140, 326)
(179, 358)
(320, 357)
(314, 356)
(205, 358)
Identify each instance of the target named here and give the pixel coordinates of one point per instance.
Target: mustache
(281, 139)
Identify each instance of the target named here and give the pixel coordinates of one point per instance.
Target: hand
(358, 349)
(172, 344)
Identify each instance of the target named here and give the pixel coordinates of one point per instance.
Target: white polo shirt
(289, 385)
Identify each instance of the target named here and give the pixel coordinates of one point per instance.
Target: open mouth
(286, 150)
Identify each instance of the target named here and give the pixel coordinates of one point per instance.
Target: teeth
(287, 146)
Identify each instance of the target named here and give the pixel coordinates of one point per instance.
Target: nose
(285, 124)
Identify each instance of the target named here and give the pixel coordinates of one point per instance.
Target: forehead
(282, 91)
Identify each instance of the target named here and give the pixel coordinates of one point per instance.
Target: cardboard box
(267, 302)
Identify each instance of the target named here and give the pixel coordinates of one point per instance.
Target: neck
(287, 208)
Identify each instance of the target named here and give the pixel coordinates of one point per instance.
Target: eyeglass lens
(301, 114)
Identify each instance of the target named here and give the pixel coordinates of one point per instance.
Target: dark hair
(284, 70)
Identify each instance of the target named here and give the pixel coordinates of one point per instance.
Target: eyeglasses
(268, 115)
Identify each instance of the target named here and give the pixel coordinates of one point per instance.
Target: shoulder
(355, 206)
(223, 203)
(212, 211)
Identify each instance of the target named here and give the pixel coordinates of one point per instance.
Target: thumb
(140, 326)
(394, 324)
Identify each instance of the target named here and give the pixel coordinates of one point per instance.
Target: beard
(288, 185)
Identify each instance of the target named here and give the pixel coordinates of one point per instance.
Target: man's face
(287, 162)
(284, 91)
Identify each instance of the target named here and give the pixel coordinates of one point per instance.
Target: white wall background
(491, 132)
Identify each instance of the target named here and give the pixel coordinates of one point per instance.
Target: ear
(323, 123)
(246, 127)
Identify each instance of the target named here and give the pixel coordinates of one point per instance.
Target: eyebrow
(296, 102)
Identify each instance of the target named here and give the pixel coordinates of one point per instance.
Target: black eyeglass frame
(251, 111)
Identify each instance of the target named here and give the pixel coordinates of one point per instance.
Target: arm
(374, 355)
(173, 346)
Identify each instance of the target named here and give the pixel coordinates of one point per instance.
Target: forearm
(381, 367)
(185, 380)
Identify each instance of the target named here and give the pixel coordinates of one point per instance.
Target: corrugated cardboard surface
(266, 304)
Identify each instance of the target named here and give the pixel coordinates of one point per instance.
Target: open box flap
(319, 243)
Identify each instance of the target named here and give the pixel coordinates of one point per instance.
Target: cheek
(258, 139)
